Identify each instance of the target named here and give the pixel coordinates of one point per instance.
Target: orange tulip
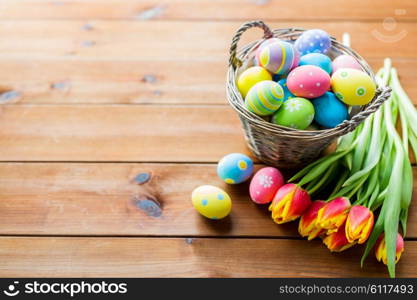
(307, 226)
(289, 203)
(333, 215)
(381, 249)
(359, 224)
(337, 241)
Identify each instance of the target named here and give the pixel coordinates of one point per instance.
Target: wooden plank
(100, 199)
(72, 81)
(182, 40)
(208, 9)
(162, 257)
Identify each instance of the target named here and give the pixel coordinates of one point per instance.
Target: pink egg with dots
(265, 184)
(308, 81)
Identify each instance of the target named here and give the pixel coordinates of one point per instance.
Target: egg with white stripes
(264, 98)
(278, 57)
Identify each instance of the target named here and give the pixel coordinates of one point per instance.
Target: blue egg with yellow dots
(235, 168)
(287, 93)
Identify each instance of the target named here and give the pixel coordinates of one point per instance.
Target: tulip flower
(337, 241)
(289, 203)
(333, 215)
(359, 224)
(307, 226)
(381, 249)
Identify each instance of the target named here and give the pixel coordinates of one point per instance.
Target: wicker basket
(278, 145)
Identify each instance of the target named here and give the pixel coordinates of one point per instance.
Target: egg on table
(264, 184)
(278, 57)
(235, 168)
(352, 86)
(345, 61)
(308, 81)
(287, 93)
(329, 111)
(211, 202)
(296, 113)
(264, 98)
(313, 41)
(250, 77)
(317, 59)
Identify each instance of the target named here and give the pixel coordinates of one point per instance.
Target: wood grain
(76, 81)
(208, 9)
(99, 199)
(162, 257)
(177, 40)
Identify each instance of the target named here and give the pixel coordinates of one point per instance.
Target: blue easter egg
(317, 59)
(330, 111)
(235, 168)
(313, 41)
(287, 93)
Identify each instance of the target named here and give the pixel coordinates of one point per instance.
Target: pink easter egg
(345, 61)
(308, 81)
(265, 184)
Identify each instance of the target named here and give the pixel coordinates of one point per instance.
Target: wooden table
(94, 93)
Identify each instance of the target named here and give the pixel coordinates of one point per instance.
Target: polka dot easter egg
(329, 111)
(278, 57)
(235, 168)
(317, 59)
(265, 184)
(287, 93)
(345, 61)
(264, 98)
(250, 77)
(353, 87)
(296, 113)
(211, 202)
(313, 41)
(308, 81)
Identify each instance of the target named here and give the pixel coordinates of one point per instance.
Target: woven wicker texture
(278, 145)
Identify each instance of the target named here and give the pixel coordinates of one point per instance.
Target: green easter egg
(296, 113)
(264, 98)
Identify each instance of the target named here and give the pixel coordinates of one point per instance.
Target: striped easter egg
(264, 98)
(278, 57)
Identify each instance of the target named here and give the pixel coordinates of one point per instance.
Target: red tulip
(381, 249)
(359, 224)
(333, 215)
(307, 225)
(337, 241)
(289, 203)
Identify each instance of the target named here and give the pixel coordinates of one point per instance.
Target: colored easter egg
(353, 87)
(235, 168)
(345, 61)
(317, 59)
(313, 41)
(308, 81)
(264, 98)
(329, 111)
(250, 77)
(212, 202)
(265, 184)
(287, 93)
(278, 57)
(261, 46)
(296, 113)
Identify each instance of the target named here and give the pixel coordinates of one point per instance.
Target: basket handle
(233, 60)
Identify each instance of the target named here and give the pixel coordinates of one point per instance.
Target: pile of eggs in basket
(296, 84)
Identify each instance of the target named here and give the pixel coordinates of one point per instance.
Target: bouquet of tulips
(368, 174)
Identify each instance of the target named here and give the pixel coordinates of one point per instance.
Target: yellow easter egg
(250, 77)
(352, 86)
(212, 202)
